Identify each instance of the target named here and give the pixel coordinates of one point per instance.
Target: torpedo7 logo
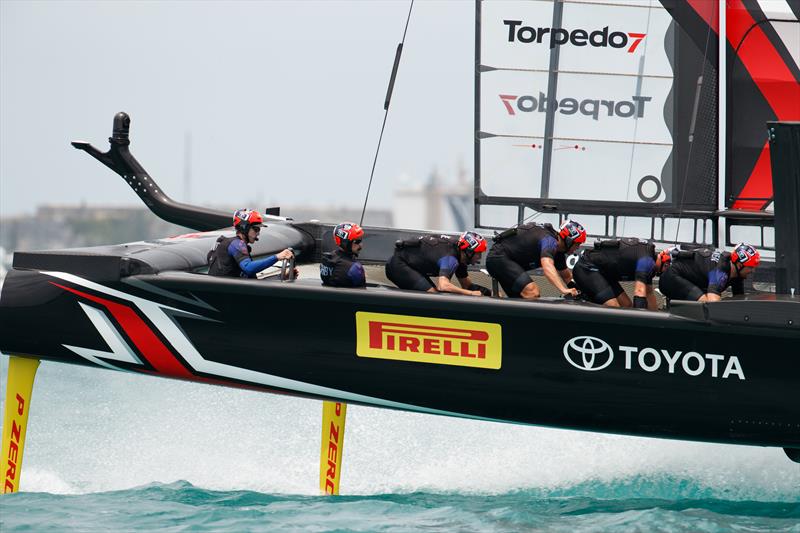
(590, 107)
(601, 38)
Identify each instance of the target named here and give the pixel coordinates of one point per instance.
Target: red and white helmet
(745, 255)
(244, 218)
(667, 254)
(346, 233)
(572, 232)
(472, 242)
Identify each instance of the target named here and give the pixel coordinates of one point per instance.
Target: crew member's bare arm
(553, 276)
(444, 284)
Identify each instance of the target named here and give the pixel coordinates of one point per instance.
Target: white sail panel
(602, 37)
(576, 100)
(613, 108)
(511, 167)
(591, 171)
(609, 172)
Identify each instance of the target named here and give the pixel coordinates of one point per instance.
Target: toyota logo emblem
(588, 353)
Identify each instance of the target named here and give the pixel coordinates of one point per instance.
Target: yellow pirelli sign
(429, 340)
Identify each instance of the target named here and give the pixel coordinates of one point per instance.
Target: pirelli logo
(429, 340)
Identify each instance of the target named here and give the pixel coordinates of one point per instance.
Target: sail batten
(486, 68)
(486, 135)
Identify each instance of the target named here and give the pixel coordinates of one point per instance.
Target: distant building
(436, 204)
(334, 215)
(54, 227)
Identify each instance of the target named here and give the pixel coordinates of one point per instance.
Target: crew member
(231, 255)
(599, 270)
(339, 268)
(440, 256)
(702, 275)
(529, 246)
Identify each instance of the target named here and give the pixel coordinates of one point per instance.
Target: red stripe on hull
(148, 344)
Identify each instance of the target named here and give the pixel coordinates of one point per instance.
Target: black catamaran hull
(724, 372)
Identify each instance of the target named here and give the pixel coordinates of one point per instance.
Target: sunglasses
(257, 229)
(357, 241)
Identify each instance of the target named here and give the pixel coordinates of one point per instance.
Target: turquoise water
(120, 452)
(181, 506)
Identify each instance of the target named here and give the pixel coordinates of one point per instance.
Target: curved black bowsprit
(121, 160)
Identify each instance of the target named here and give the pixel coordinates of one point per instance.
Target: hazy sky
(284, 100)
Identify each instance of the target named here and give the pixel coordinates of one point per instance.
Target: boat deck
(376, 275)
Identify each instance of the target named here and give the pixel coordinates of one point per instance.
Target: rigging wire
(386, 103)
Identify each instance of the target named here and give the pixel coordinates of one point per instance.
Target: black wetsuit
(693, 274)
(220, 260)
(231, 257)
(599, 270)
(512, 256)
(340, 269)
(416, 260)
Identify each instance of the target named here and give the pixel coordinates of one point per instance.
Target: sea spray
(95, 430)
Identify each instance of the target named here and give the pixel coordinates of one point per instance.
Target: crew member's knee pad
(521, 283)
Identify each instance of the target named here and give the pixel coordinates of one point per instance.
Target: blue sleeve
(447, 265)
(645, 269)
(251, 268)
(357, 276)
(548, 247)
(717, 281)
(238, 250)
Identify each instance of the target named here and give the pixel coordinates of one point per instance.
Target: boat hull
(546, 363)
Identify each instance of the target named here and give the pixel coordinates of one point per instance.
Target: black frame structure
(784, 141)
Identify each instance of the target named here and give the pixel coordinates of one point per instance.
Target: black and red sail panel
(763, 85)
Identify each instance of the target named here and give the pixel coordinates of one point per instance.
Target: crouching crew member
(339, 268)
(440, 256)
(701, 275)
(231, 255)
(530, 246)
(599, 270)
